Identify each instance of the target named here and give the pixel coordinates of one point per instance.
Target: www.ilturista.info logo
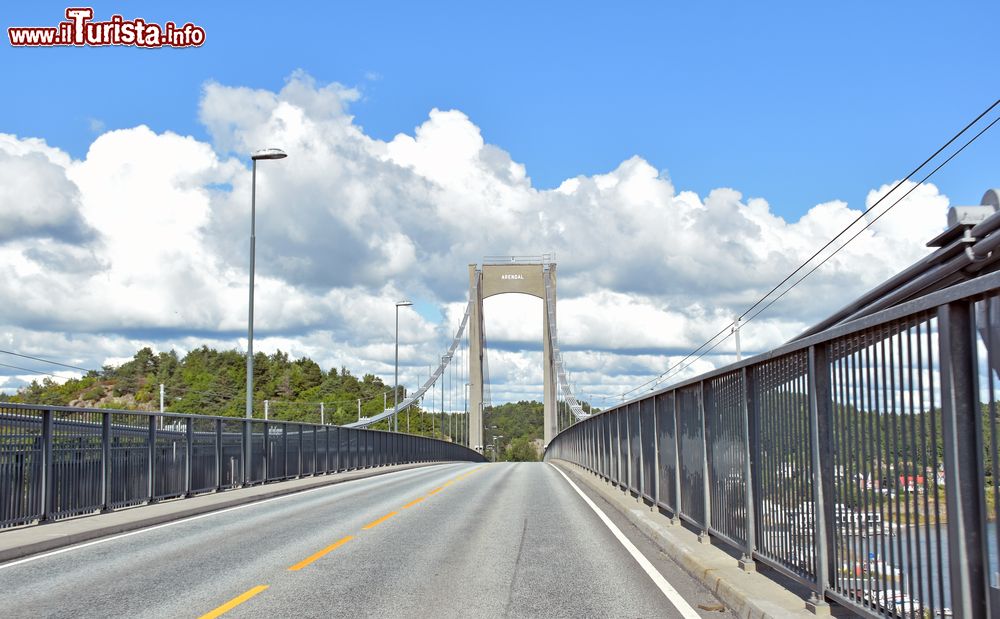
(80, 30)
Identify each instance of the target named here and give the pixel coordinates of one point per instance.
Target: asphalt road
(456, 540)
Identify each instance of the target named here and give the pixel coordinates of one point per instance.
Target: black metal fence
(57, 462)
(861, 461)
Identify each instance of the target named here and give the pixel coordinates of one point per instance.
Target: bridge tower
(501, 275)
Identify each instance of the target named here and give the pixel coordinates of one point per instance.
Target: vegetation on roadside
(211, 382)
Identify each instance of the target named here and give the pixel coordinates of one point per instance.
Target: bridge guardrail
(57, 462)
(856, 461)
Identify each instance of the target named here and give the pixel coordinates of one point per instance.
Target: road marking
(436, 490)
(339, 485)
(412, 503)
(301, 564)
(668, 590)
(375, 523)
(233, 603)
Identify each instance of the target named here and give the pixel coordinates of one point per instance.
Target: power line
(854, 236)
(879, 201)
(869, 224)
(16, 367)
(665, 374)
(65, 365)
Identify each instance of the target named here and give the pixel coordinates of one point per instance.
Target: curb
(749, 594)
(38, 538)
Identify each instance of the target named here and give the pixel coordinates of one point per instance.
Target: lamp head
(268, 153)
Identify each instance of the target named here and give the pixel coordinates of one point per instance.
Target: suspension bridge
(531, 275)
(848, 472)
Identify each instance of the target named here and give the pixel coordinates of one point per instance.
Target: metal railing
(541, 259)
(57, 462)
(861, 461)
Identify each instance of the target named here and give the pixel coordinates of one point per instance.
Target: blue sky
(797, 103)
(110, 231)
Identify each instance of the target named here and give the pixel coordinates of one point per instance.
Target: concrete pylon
(549, 421)
(476, 360)
(501, 278)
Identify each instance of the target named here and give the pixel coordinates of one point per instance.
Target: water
(917, 581)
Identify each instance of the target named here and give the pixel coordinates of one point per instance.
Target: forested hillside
(210, 382)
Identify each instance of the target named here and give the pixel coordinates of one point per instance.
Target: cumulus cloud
(37, 200)
(145, 242)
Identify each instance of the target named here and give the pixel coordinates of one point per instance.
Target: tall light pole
(395, 381)
(266, 153)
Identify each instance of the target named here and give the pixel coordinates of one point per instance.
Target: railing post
(218, 455)
(266, 451)
(622, 460)
(656, 454)
(749, 444)
(338, 442)
(189, 457)
(105, 461)
(961, 427)
(247, 470)
(151, 456)
(704, 392)
(822, 460)
(46, 482)
(640, 478)
(284, 448)
(677, 459)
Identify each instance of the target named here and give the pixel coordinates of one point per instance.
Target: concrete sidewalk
(34, 539)
(747, 593)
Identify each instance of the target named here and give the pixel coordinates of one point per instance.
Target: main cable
(664, 375)
(869, 224)
(879, 201)
(822, 262)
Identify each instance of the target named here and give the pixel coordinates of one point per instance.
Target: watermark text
(81, 30)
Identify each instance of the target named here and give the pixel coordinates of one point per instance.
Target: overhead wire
(670, 371)
(875, 219)
(17, 367)
(49, 361)
(879, 201)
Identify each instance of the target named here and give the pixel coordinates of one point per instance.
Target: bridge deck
(444, 541)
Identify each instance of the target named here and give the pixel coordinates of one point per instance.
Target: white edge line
(668, 590)
(198, 517)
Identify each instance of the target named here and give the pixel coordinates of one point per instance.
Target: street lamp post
(395, 382)
(495, 437)
(266, 153)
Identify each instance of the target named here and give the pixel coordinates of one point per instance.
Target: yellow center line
(435, 491)
(372, 525)
(233, 603)
(412, 503)
(301, 564)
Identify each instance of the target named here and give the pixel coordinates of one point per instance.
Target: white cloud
(37, 200)
(144, 242)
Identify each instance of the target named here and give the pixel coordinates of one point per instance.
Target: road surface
(453, 540)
